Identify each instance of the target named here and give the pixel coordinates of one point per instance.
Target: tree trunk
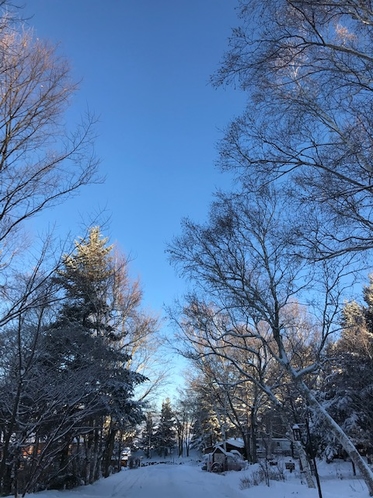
(10, 429)
(253, 434)
(108, 452)
(305, 467)
(88, 457)
(336, 430)
(95, 470)
(65, 453)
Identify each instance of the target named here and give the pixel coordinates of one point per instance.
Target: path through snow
(179, 481)
(155, 481)
(189, 481)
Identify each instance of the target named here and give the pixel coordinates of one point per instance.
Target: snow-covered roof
(237, 442)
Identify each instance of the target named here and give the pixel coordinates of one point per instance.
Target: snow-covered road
(155, 481)
(189, 481)
(169, 481)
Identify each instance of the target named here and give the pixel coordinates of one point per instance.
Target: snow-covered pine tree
(147, 440)
(165, 433)
(86, 342)
(87, 278)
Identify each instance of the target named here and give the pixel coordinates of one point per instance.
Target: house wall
(274, 446)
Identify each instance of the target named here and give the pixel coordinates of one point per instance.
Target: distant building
(268, 447)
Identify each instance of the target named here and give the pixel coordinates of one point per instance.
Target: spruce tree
(87, 278)
(165, 434)
(86, 338)
(148, 436)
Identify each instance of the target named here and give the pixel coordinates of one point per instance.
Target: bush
(66, 481)
(245, 482)
(264, 474)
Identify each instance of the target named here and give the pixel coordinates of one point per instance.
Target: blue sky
(144, 67)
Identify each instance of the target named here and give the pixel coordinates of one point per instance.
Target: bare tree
(307, 69)
(305, 134)
(234, 398)
(41, 161)
(138, 330)
(246, 277)
(30, 298)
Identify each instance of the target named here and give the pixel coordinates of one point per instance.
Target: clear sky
(144, 67)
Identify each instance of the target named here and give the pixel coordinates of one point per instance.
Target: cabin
(230, 444)
(227, 455)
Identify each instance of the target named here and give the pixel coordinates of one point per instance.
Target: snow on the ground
(185, 479)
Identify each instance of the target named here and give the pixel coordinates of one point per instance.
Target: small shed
(219, 455)
(234, 444)
(230, 444)
(221, 459)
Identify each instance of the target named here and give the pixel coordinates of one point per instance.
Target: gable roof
(236, 442)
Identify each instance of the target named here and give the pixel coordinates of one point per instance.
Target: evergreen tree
(206, 429)
(87, 278)
(165, 434)
(147, 441)
(348, 385)
(87, 340)
(88, 329)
